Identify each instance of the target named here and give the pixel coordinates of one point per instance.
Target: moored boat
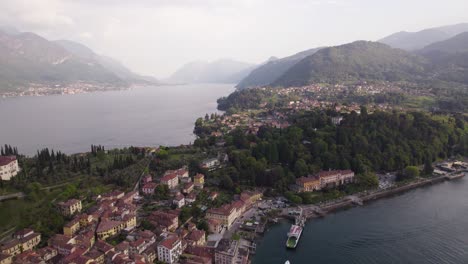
(293, 236)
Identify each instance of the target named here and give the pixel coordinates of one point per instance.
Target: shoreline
(363, 199)
(389, 192)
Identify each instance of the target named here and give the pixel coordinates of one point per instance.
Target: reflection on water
(428, 225)
(146, 116)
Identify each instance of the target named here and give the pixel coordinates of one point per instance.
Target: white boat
(287, 262)
(293, 236)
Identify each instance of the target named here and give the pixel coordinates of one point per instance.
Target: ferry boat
(293, 236)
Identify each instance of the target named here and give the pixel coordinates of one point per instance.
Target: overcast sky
(156, 37)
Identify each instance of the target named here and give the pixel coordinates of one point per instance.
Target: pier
(355, 200)
(455, 176)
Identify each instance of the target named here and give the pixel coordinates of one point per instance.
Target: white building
(171, 180)
(210, 164)
(179, 200)
(169, 250)
(8, 167)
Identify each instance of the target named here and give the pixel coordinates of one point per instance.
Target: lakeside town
(60, 89)
(114, 227)
(297, 153)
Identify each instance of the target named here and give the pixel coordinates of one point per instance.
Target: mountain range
(27, 58)
(219, 71)
(441, 56)
(431, 54)
(274, 68)
(412, 41)
(360, 60)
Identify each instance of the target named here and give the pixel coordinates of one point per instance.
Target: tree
(363, 112)
(368, 180)
(162, 154)
(161, 192)
(301, 168)
(410, 172)
(146, 225)
(199, 122)
(293, 198)
(428, 169)
(203, 225)
(226, 182)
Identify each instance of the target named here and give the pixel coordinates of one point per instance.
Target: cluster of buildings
(108, 232)
(323, 180)
(8, 167)
(182, 187)
(226, 215)
(250, 124)
(23, 240)
(450, 167)
(36, 89)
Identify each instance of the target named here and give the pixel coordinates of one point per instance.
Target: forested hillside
(364, 143)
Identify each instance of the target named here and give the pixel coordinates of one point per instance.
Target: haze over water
(426, 225)
(146, 116)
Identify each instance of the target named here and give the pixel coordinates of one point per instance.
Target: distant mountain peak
(417, 40)
(271, 70)
(223, 70)
(359, 60)
(31, 59)
(456, 44)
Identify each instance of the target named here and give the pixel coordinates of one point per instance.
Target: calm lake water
(427, 225)
(146, 116)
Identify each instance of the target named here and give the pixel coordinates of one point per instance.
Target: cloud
(157, 36)
(34, 14)
(86, 35)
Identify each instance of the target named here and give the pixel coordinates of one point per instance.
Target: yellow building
(11, 248)
(5, 259)
(24, 240)
(249, 198)
(308, 184)
(70, 207)
(199, 180)
(130, 221)
(108, 228)
(70, 228)
(97, 256)
(226, 214)
(85, 219)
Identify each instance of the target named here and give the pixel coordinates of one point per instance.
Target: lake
(426, 225)
(144, 116)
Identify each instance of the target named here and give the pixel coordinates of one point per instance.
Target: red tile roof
(103, 246)
(324, 174)
(170, 242)
(5, 160)
(223, 210)
(107, 225)
(179, 197)
(168, 177)
(303, 180)
(69, 202)
(195, 235)
(150, 185)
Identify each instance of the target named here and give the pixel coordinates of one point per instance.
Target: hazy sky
(156, 37)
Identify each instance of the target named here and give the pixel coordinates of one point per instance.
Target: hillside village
(112, 230)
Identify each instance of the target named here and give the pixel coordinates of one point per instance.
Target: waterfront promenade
(321, 210)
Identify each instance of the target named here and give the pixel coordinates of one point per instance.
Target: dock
(355, 200)
(455, 176)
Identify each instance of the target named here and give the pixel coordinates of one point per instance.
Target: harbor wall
(383, 193)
